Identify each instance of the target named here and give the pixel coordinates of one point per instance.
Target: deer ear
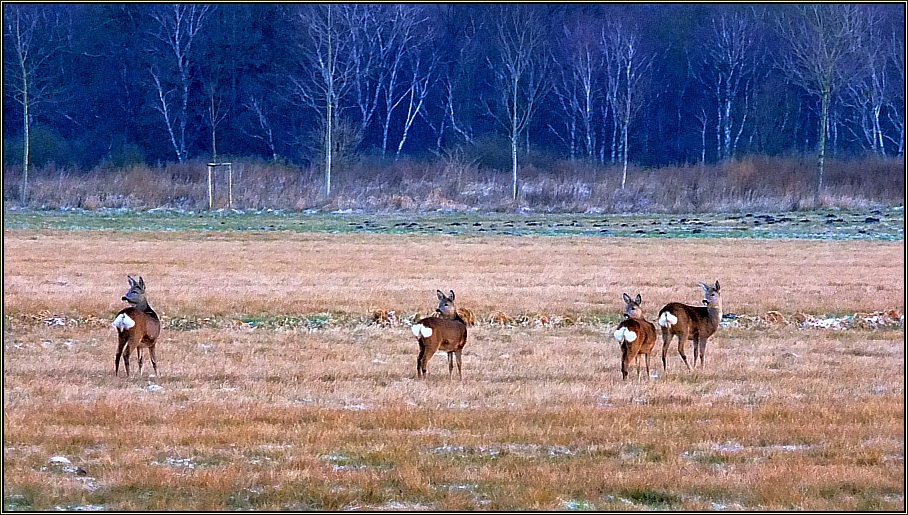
(705, 288)
(638, 300)
(717, 286)
(627, 298)
(451, 298)
(132, 282)
(141, 282)
(441, 296)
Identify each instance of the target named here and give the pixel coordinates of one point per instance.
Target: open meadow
(287, 374)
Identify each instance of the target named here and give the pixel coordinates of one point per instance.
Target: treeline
(115, 85)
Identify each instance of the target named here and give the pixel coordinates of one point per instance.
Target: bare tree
(895, 100)
(520, 72)
(326, 71)
(449, 114)
(176, 27)
(822, 55)
(421, 79)
(577, 88)
(729, 66)
(31, 42)
(216, 113)
(866, 97)
(256, 105)
(622, 47)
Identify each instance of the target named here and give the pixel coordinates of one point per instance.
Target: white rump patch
(623, 334)
(421, 330)
(123, 322)
(667, 319)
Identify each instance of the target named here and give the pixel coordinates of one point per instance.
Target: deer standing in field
(138, 327)
(446, 332)
(695, 323)
(636, 335)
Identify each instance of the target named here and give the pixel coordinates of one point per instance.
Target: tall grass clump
(474, 180)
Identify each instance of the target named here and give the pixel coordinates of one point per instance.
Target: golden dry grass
(333, 418)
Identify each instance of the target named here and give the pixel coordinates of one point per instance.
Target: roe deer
(695, 323)
(636, 335)
(447, 332)
(137, 326)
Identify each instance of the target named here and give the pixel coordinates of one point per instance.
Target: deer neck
(715, 311)
(455, 317)
(142, 305)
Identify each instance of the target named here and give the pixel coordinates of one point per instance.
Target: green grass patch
(886, 224)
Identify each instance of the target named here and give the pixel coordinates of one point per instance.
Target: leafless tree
(176, 28)
(577, 89)
(32, 39)
(866, 97)
(632, 64)
(264, 133)
(398, 38)
(730, 68)
(448, 115)
(895, 101)
(326, 71)
(422, 77)
(520, 73)
(822, 55)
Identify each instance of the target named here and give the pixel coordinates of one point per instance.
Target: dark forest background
(447, 99)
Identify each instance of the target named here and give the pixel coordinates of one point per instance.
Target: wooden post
(230, 185)
(210, 166)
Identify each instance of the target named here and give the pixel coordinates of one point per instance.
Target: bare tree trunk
(329, 115)
(25, 149)
(821, 152)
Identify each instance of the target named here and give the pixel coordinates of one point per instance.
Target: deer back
(447, 329)
(702, 321)
(140, 317)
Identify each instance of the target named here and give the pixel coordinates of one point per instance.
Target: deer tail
(666, 319)
(123, 322)
(623, 334)
(420, 330)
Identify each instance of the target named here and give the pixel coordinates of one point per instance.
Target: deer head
(446, 306)
(136, 294)
(632, 307)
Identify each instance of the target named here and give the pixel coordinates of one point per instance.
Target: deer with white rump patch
(138, 327)
(695, 323)
(446, 332)
(636, 335)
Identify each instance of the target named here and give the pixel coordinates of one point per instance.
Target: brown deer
(636, 335)
(138, 327)
(446, 332)
(695, 323)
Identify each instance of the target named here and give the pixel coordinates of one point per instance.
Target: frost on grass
(514, 449)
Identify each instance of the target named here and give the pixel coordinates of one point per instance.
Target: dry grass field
(276, 390)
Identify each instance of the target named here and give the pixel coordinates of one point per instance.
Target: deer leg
(126, 353)
(139, 354)
(122, 342)
(682, 339)
(646, 357)
(625, 361)
(450, 365)
(154, 364)
(459, 363)
(420, 366)
(666, 340)
(702, 346)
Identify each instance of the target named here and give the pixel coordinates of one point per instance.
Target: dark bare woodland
(555, 101)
